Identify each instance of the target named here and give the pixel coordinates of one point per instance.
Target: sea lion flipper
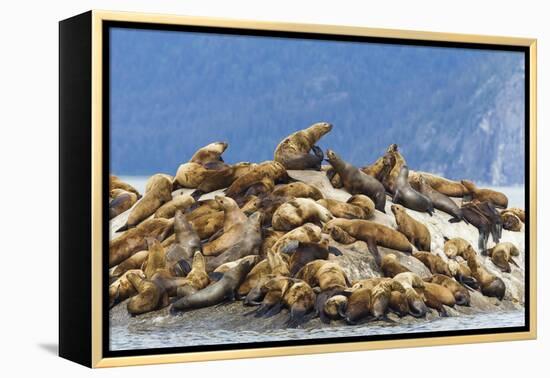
(334, 251)
(215, 235)
(373, 249)
(513, 261)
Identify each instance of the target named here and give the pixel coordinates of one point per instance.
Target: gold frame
(99, 16)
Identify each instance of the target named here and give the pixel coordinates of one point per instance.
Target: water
(158, 334)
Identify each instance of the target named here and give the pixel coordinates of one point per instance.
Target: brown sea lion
(186, 243)
(156, 258)
(435, 296)
(191, 175)
(300, 300)
(473, 215)
(433, 262)
(196, 280)
(462, 274)
(308, 232)
(209, 153)
(268, 170)
(133, 240)
(493, 215)
(490, 285)
(417, 233)
(501, 255)
(363, 202)
(409, 197)
(298, 212)
(398, 303)
(122, 288)
(249, 243)
(222, 290)
(359, 305)
(122, 201)
(294, 151)
(133, 262)
(325, 274)
(511, 221)
(272, 291)
(497, 198)
(335, 307)
(302, 253)
(270, 237)
(274, 265)
(440, 200)
(159, 193)
(357, 182)
(455, 247)
(370, 232)
(221, 178)
(411, 282)
(442, 185)
(207, 225)
(157, 179)
(461, 294)
(520, 213)
(149, 296)
(298, 190)
(394, 161)
(341, 209)
(232, 231)
(390, 265)
(181, 202)
(117, 183)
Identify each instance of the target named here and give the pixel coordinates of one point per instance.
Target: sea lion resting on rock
(416, 232)
(408, 197)
(455, 247)
(222, 290)
(297, 212)
(123, 288)
(410, 282)
(510, 221)
(357, 182)
(490, 285)
(442, 185)
(249, 244)
(233, 228)
(390, 265)
(462, 296)
(439, 200)
(187, 242)
(301, 253)
(501, 255)
(294, 151)
(117, 183)
(221, 177)
(122, 201)
(133, 240)
(133, 262)
(497, 198)
(260, 175)
(274, 265)
(298, 189)
(149, 297)
(168, 210)
(435, 296)
(308, 232)
(196, 280)
(433, 262)
(159, 193)
(342, 209)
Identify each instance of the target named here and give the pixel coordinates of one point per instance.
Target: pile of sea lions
(271, 241)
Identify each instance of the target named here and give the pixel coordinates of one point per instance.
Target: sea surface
(161, 334)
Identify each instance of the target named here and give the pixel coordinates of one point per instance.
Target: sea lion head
(392, 148)
(317, 130)
(417, 307)
(218, 147)
(358, 306)
(397, 209)
(332, 157)
(404, 173)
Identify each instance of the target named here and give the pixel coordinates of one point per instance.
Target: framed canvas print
(234, 189)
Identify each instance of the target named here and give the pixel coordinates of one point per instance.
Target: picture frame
(84, 148)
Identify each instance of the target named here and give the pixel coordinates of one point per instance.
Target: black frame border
(107, 25)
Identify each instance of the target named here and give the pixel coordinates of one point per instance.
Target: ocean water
(163, 334)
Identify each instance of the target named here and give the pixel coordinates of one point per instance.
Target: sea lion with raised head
(249, 243)
(294, 151)
(497, 198)
(222, 290)
(393, 161)
(298, 212)
(209, 153)
(233, 228)
(433, 262)
(417, 233)
(473, 215)
(440, 200)
(149, 296)
(186, 243)
(197, 279)
(407, 196)
(156, 258)
(490, 285)
(159, 193)
(133, 240)
(357, 182)
(122, 200)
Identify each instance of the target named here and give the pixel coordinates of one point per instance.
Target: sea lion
(370, 232)
(394, 161)
(274, 265)
(473, 215)
(168, 210)
(249, 243)
(455, 247)
(433, 262)
(133, 240)
(440, 200)
(461, 294)
(267, 171)
(272, 292)
(270, 237)
(325, 274)
(122, 201)
(156, 258)
(491, 213)
(501, 255)
(297, 212)
(159, 193)
(511, 221)
(133, 262)
(149, 296)
(341, 209)
(359, 305)
(209, 153)
(417, 233)
(490, 285)
(363, 202)
(520, 213)
(293, 152)
(442, 185)
(335, 307)
(122, 288)
(232, 231)
(157, 179)
(398, 304)
(207, 225)
(221, 178)
(497, 198)
(408, 197)
(357, 182)
(462, 274)
(300, 300)
(298, 190)
(435, 296)
(308, 232)
(196, 280)
(117, 183)
(186, 243)
(191, 175)
(222, 290)
(411, 282)
(390, 265)
(302, 253)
